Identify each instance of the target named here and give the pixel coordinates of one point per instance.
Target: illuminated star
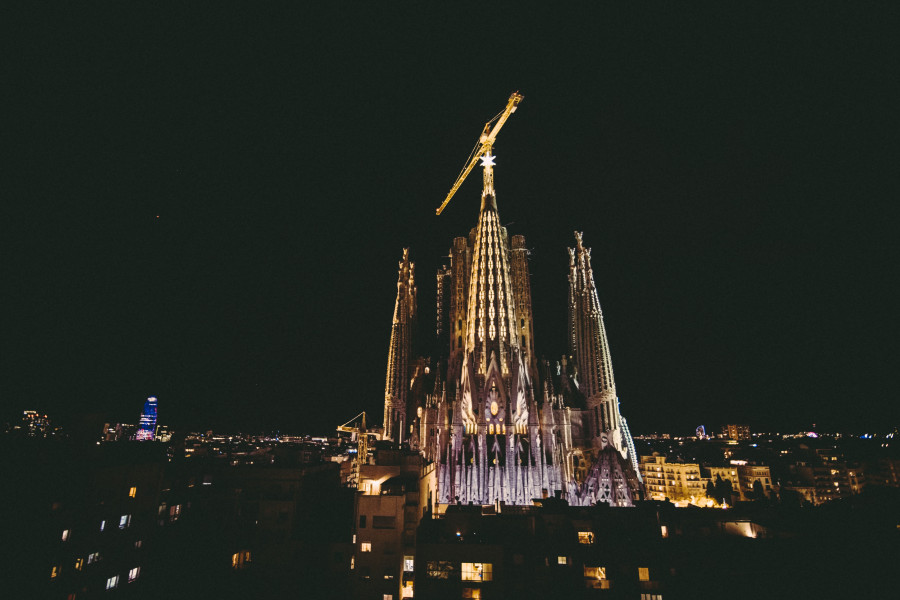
(487, 160)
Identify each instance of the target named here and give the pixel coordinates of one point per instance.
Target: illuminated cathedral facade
(493, 422)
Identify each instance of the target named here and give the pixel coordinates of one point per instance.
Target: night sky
(209, 205)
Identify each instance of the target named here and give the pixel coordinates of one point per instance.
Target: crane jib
(486, 140)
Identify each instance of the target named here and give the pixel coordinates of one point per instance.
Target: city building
(387, 511)
(675, 481)
(499, 425)
(743, 479)
(736, 432)
(147, 425)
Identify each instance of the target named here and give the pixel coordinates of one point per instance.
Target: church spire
(590, 349)
(400, 354)
(491, 310)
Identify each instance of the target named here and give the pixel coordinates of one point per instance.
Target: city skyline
(218, 223)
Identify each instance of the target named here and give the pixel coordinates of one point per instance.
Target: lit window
(409, 563)
(664, 530)
(365, 547)
(79, 563)
(102, 525)
(407, 590)
(174, 512)
(132, 492)
(112, 583)
(643, 573)
(138, 544)
(387, 597)
(352, 562)
(585, 537)
(595, 578)
(93, 557)
(239, 560)
(54, 572)
(124, 521)
(65, 535)
(477, 572)
(471, 593)
(562, 560)
(134, 574)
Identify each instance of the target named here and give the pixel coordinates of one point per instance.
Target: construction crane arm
(485, 143)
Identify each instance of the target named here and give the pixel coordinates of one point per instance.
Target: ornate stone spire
(493, 372)
(400, 353)
(490, 320)
(590, 349)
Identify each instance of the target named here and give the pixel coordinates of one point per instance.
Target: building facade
(499, 425)
(673, 481)
(146, 431)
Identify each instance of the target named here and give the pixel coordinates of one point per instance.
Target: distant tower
(400, 355)
(147, 425)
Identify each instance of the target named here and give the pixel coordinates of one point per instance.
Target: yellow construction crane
(485, 143)
(362, 443)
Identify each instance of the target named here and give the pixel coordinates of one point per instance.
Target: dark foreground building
(654, 551)
(123, 521)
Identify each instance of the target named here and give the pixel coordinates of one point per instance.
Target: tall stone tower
(397, 416)
(493, 452)
(590, 349)
(613, 476)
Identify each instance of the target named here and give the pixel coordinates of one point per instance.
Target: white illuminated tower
(493, 452)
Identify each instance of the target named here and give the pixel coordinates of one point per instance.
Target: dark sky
(209, 205)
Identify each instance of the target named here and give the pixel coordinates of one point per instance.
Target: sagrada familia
(497, 423)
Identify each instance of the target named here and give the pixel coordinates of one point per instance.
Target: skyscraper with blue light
(147, 424)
